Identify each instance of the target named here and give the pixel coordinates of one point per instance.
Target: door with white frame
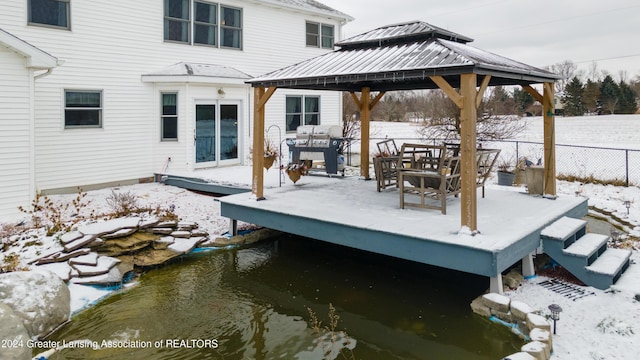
(216, 133)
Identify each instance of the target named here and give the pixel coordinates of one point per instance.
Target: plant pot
(535, 180)
(294, 175)
(268, 161)
(521, 178)
(506, 178)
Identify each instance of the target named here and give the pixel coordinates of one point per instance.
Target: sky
(540, 33)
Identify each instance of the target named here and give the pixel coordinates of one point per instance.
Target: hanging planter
(269, 160)
(295, 171)
(270, 153)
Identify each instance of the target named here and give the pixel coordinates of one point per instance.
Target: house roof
(312, 6)
(401, 57)
(196, 72)
(36, 58)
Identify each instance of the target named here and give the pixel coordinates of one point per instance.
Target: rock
(208, 243)
(519, 356)
(504, 316)
(167, 224)
(103, 266)
(40, 298)
(513, 279)
(186, 225)
(184, 246)
(637, 297)
(496, 302)
(126, 245)
(147, 223)
(151, 257)
(13, 330)
(78, 243)
(62, 269)
(200, 233)
(537, 349)
(114, 276)
(120, 233)
(70, 236)
(520, 310)
(542, 336)
(109, 226)
(61, 256)
(537, 321)
(181, 234)
(161, 231)
(163, 242)
(478, 306)
(87, 259)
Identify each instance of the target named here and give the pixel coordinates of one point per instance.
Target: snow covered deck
(348, 211)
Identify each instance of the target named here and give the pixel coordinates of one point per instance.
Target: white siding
(14, 130)
(110, 45)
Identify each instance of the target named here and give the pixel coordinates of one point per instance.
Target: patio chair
(384, 164)
(428, 172)
(485, 160)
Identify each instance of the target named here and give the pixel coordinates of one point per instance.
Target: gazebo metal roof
(401, 57)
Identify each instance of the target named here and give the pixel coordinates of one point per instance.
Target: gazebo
(411, 56)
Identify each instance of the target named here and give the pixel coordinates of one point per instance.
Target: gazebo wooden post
(468, 134)
(365, 104)
(549, 140)
(260, 98)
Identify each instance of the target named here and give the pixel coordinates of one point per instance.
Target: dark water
(253, 304)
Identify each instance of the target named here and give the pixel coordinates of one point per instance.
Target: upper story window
(82, 108)
(302, 110)
(54, 13)
(320, 35)
(211, 24)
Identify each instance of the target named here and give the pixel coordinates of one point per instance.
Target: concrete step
(566, 230)
(611, 262)
(589, 246)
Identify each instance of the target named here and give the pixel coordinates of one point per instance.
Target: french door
(216, 133)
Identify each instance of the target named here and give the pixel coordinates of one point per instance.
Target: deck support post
(260, 98)
(549, 140)
(365, 104)
(233, 227)
(528, 269)
(495, 284)
(468, 134)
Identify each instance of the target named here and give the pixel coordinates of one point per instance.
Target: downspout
(32, 128)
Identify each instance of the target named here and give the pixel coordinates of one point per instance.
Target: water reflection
(254, 303)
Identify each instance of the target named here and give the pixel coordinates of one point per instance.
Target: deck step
(565, 229)
(611, 262)
(588, 246)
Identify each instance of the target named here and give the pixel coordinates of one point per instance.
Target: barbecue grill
(318, 143)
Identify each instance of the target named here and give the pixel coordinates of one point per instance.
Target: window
(298, 115)
(205, 27)
(231, 27)
(82, 108)
(320, 35)
(177, 20)
(169, 118)
(211, 24)
(53, 13)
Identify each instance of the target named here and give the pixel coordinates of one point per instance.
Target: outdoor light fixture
(221, 93)
(555, 315)
(615, 235)
(627, 204)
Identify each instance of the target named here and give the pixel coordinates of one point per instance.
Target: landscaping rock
(537, 349)
(109, 226)
(114, 276)
(184, 246)
(120, 233)
(167, 224)
(478, 306)
(519, 310)
(62, 269)
(70, 236)
(152, 257)
(163, 242)
(161, 231)
(542, 336)
(78, 243)
(537, 321)
(61, 256)
(513, 279)
(87, 259)
(40, 298)
(102, 266)
(147, 223)
(181, 234)
(12, 329)
(519, 356)
(496, 302)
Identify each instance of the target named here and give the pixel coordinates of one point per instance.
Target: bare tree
(443, 121)
(350, 119)
(567, 70)
(594, 73)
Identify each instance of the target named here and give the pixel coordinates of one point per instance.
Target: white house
(96, 93)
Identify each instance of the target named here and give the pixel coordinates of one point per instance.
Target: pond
(251, 303)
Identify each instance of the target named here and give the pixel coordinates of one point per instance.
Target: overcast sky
(538, 33)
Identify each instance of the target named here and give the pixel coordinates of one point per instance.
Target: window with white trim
(169, 117)
(211, 24)
(320, 35)
(53, 13)
(302, 110)
(82, 109)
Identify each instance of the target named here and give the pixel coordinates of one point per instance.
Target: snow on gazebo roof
(401, 57)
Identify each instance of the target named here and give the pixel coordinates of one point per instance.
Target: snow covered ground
(605, 325)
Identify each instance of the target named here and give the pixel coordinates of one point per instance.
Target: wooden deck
(348, 211)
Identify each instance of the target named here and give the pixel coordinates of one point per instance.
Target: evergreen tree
(572, 98)
(609, 96)
(590, 96)
(627, 99)
(523, 100)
